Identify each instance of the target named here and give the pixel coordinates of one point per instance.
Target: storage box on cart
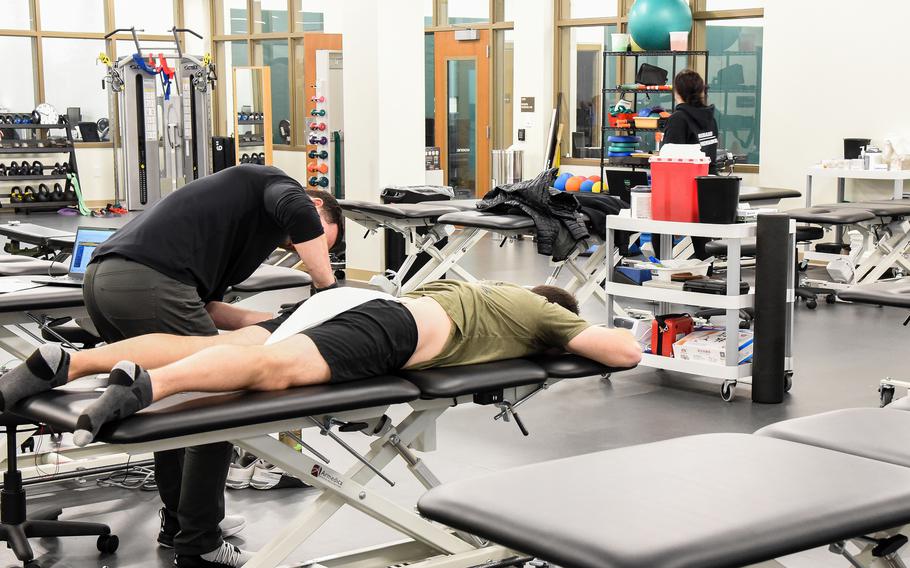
(709, 345)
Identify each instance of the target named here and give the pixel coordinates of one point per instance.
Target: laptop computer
(86, 241)
(620, 182)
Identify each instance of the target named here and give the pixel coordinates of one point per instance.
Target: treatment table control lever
(326, 430)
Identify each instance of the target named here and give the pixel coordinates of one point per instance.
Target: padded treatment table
(268, 277)
(881, 434)
(895, 208)
(804, 233)
(15, 265)
(830, 215)
(248, 418)
(700, 501)
(31, 233)
(762, 196)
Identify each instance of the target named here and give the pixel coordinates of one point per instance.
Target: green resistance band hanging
(74, 181)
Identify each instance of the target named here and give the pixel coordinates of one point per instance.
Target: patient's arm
(613, 347)
(156, 350)
(230, 317)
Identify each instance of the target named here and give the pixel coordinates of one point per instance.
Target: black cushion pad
(883, 293)
(804, 233)
(762, 194)
(449, 382)
(31, 233)
(712, 500)
(568, 366)
(41, 297)
(830, 215)
(194, 413)
(431, 209)
(898, 208)
(268, 277)
(880, 434)
(487, 221)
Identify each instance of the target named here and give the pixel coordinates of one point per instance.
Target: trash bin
(718, 199)
(395, 250)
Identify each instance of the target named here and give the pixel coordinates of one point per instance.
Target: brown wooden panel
(313, 42)
(447, 48)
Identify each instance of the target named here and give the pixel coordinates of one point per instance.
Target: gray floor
(842, 352)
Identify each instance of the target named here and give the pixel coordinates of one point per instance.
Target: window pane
(80, 86)
(154, 17)
(16, 15)
(274, 54)
(72, 15)
(468, 11)
(22, 98)
(270, 16)
(509, 7)
(734, 4)
(231, 17)
(592, 8)
(734, 83)
(309, 16)
(427, 13)
(503, 98)
(429, 75)
(230, 54)
(581, 72)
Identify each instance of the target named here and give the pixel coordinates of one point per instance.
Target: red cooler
(674, 193)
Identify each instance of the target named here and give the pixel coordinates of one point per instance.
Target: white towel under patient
(323, 307)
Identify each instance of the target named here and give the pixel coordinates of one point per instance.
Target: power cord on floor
(135, 477)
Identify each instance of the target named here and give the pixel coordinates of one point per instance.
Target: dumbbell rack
(7, 152)
(317, 134)
(256, 124)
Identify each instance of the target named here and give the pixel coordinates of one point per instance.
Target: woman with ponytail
(693, 120)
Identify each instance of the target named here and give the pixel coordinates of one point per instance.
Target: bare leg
(223, 368)
(156, 350)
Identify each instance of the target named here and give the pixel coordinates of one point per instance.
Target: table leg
(839, 230)
(809, 190)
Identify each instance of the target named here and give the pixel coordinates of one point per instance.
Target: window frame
(38, 34)
(700, 17)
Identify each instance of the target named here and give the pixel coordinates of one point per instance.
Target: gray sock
(128, 392)
(44, 369)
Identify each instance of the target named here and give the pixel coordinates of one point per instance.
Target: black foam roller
(771, 270)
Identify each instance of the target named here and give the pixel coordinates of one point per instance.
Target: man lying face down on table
(441, 324)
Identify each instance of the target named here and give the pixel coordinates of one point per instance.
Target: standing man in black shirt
(166, 271)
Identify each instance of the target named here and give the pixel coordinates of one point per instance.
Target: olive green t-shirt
(497, 320)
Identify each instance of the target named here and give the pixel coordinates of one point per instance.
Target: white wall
(534, 44)
(815, 70)
(383, 107)
(96, 173)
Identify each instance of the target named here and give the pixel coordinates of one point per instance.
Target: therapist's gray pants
(126, 299)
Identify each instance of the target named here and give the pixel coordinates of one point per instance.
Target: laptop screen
(87, 240)
(621, 182)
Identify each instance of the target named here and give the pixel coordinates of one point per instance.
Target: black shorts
(375, 338)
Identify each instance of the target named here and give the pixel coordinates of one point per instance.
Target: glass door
(462, 125)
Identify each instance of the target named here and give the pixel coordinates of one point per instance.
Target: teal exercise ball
(651, 21)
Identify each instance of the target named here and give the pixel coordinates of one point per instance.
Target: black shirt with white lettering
(694, 125)
(214, 232)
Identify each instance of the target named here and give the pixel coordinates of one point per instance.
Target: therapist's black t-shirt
(214, 232)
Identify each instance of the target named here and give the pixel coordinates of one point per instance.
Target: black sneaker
(169, 528)
(227, 556)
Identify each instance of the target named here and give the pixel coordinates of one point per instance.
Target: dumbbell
(317, 126)
(44, 194)
(317, 99)
(318, 181)
(37, 168)
(15, 194)
(322, 154)
(59, 194)
(317, 112)
(321, 140)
